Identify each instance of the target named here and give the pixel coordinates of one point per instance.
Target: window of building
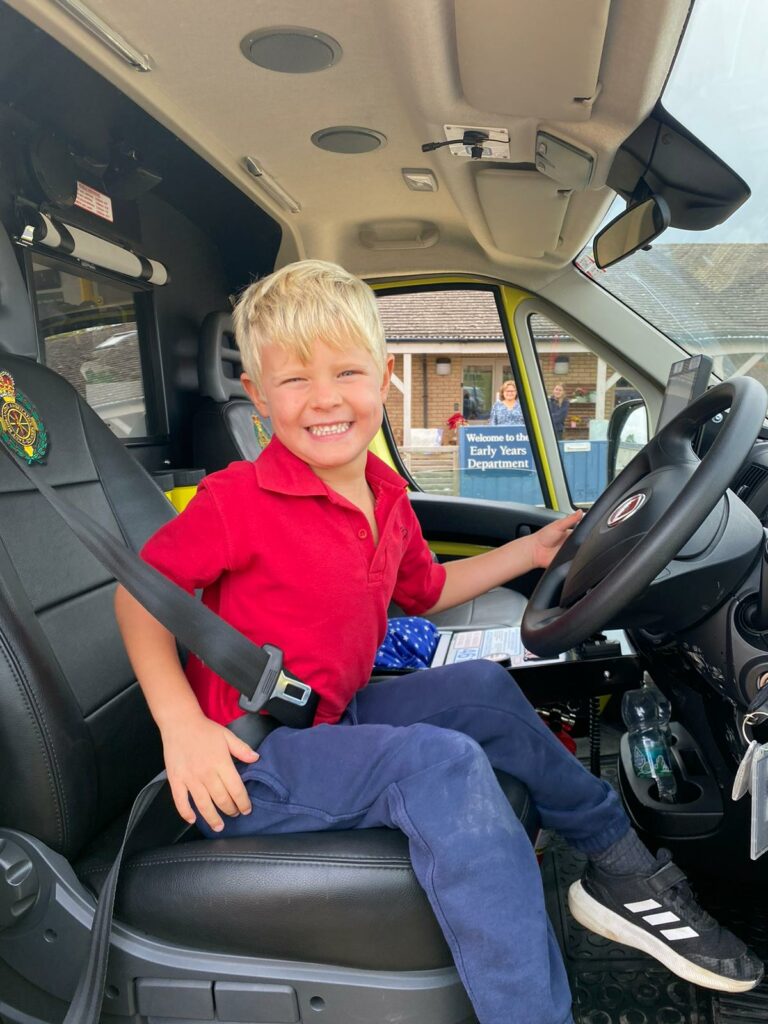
(89, 328)
(451, 359)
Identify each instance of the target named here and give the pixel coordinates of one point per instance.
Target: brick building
(451, 356)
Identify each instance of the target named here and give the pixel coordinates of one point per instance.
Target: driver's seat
(254, 929)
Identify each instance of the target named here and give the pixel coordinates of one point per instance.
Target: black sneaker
(658, 914)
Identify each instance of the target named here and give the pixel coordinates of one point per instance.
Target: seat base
(149, 979)
(231, 895)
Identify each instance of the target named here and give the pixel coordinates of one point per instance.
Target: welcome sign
(484, 449)
(497, 463)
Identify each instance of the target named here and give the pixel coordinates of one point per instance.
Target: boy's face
(325, 411)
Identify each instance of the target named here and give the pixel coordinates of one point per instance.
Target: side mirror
(627, 434)
(636, 227)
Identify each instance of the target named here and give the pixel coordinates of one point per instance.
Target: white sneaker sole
(598, 918)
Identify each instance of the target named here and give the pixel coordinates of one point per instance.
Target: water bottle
(646, 715)
(663, 712)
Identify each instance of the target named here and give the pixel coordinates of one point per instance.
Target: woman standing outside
(506, 410)
(558, 409)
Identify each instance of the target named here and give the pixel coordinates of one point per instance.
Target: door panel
(450, 523)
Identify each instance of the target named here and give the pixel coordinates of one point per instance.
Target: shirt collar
(278, 469)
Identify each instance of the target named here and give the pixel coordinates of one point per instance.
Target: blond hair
(303, 303)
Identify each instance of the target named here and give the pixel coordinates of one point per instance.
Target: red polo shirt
(288, 561)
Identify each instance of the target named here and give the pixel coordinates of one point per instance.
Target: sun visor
(524, 211)
(531, 60)
(67, 240)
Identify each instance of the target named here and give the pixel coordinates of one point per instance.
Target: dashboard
(751, 482)
(725, 649)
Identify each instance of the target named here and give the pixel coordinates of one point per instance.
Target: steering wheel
(658, 504)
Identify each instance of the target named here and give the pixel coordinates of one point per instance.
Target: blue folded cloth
(410, 643)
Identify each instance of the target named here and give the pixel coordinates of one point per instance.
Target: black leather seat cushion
(348, 898)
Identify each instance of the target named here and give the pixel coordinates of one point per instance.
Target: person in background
(558, 409)
(506, 410)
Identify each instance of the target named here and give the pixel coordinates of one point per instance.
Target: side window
(583, 391)
(89, 333)
(458, 429)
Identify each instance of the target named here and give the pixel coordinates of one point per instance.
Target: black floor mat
(614, 984)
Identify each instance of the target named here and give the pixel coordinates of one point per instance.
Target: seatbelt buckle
(283, 695)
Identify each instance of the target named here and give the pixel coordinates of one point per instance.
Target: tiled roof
(694, 292)
(453, 315)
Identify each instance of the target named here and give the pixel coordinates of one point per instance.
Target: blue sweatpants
(417, 753)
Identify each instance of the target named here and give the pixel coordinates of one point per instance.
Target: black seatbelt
(257, 672)
(85, 1007)
(221, 647)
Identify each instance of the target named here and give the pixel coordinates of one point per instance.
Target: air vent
(750, 479)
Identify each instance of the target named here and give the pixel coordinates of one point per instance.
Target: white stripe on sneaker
(673, 934)
(640, 908)
(666, 918)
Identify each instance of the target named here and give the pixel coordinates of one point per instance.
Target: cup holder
(687, 792)
(698, 807)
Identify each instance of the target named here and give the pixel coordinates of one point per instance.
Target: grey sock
(627, 856)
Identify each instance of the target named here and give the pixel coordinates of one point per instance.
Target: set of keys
(752, 777)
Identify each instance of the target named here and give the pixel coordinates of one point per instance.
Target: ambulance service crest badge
(21, 429)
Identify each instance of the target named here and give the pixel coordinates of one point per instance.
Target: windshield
(708, 290)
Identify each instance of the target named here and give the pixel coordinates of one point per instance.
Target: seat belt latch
(276, 684)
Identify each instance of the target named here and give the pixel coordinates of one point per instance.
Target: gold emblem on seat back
(263, 436)
(21, 429)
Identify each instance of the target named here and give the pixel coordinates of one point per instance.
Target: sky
(719, 90)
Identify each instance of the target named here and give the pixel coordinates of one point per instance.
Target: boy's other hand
(547, 541)
(198, 757)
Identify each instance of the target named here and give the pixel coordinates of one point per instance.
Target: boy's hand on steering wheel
(547, 541)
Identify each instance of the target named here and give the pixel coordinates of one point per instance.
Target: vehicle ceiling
(586, 72)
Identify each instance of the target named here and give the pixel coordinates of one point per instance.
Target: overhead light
(443, 366)
(270, 186)
(419, 179)
(116, 43)
(563, 162)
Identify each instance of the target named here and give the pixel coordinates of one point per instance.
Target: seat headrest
(17, 323)
(218, 360)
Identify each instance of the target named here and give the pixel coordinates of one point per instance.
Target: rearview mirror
(631, 230)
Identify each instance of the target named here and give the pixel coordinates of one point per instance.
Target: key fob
(743, 773)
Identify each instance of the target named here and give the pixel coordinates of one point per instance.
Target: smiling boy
(305, 548)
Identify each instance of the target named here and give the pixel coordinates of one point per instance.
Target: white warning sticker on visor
(98, 203)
